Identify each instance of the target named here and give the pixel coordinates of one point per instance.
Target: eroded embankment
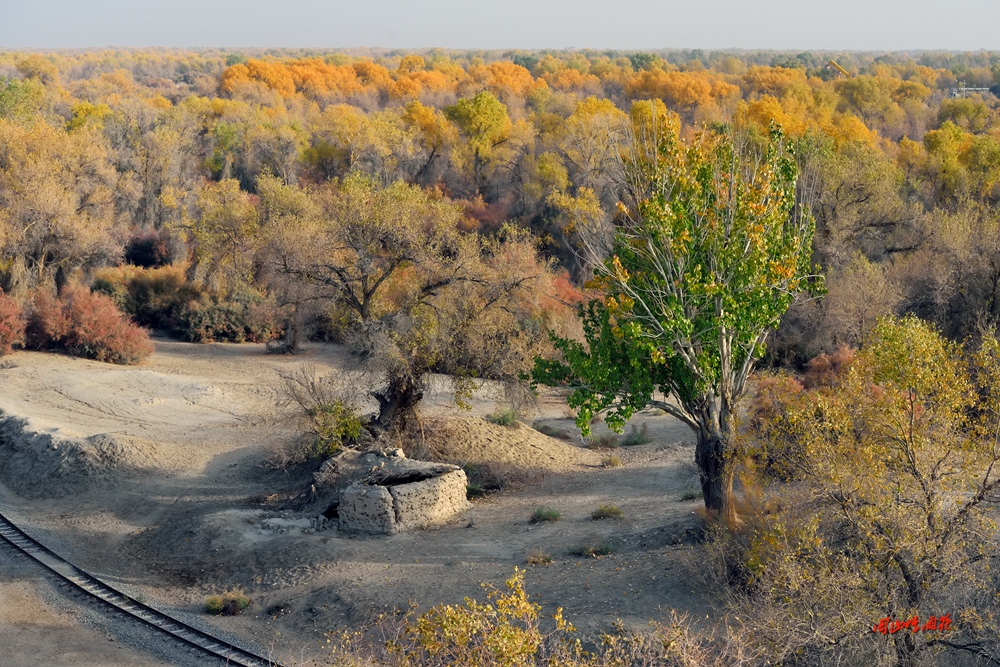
(37, 464)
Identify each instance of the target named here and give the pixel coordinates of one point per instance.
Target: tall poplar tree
(709, 250)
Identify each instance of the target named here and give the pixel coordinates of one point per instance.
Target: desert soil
(154, 478)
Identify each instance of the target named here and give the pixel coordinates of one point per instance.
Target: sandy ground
(152, 477)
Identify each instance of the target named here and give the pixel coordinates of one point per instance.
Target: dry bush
(636, 437)
(86, 324)
(607, 512)
(606, 441)
(327, 414)
(231, 603)
(12, 324)
(506, 631)
(538, 557)
(493, 477)
(889, 512)
(505, 417)
(611, 461)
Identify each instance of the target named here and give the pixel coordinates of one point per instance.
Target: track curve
(229, 653)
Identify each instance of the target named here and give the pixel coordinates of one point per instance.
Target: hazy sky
(617, 24)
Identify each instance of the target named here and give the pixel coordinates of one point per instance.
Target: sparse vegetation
(546, 515)
(505, 417)
(606, 441)
(607, 512)
(552, 431)
(538, 557)
(493, 477)
(328, 415)
(611, 461)
(636, 437)
(690, 495)
(473, 491)
(231, 603)
(593, 550)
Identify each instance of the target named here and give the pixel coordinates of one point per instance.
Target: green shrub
(335, 424)
(246, 316)
(231, 603)
(637, 437)
(154, 297)
(545, 514)
(607, 512)
(163, 298)
(473, 491)
(505, 417)
(691, 495)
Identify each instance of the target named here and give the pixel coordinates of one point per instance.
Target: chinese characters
(887, 626)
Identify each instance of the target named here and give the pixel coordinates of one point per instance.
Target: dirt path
(169, 503)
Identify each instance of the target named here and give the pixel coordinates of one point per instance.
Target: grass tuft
(231, 603)
(611, 461)
(545, 514)
(539, 557)
(637, 437)
(505, 417)
(607, 512)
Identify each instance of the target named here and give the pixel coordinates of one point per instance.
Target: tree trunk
(395, 404)
(715, 469)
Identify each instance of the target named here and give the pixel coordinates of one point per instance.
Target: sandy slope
(156, 482)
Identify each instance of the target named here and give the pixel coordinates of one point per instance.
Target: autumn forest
(479, 215)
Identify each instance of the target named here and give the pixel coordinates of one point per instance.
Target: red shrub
(87, 324)
(826, 369)
(47, 323)
(11, 324)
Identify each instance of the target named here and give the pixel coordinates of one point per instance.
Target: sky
(878, 25)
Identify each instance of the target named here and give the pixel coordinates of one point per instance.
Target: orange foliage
(571, 79)
(771, 80)
(372, 74)
(274, 75)
(315, 77)
(679, 89)
(505, 79)
(411, 85)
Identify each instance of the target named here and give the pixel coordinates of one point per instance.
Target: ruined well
(398, 494)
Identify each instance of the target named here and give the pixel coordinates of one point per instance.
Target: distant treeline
(900, 161)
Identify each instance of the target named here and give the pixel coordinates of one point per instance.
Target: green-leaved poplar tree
(709, 250)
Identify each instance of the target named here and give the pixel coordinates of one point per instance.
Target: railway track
(228, 653)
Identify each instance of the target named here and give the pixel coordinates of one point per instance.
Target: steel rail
(94, 587)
